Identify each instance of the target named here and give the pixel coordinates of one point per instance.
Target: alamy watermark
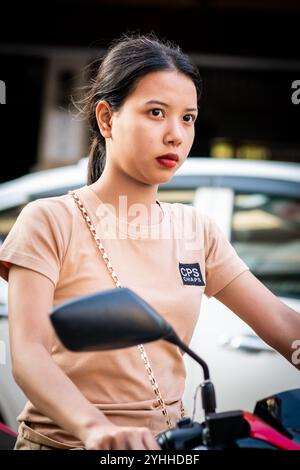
(296, 94)
(2, 92)
(296, 353)
(138, 221)
(2, 353)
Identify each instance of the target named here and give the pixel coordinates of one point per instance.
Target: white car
(257, 205)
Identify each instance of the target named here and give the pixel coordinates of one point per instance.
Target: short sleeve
(36, 241)
(222, 263)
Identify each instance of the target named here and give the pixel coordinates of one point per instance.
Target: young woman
(142, 108)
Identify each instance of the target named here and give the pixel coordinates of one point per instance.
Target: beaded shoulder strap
(117, 283)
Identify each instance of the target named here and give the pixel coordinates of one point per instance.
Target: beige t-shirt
(171, 266)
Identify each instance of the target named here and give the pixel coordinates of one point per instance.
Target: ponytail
(97, 159)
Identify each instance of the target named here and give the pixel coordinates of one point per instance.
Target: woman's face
(158, 118)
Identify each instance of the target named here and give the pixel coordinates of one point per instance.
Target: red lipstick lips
(168, 160)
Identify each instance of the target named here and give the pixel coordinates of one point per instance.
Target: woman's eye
(190, 118)
(155, 112)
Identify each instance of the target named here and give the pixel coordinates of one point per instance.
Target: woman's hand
(112, 437)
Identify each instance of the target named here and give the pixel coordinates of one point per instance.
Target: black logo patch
(191, 274)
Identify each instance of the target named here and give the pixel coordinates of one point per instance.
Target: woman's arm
(42, 380)
(276, 323)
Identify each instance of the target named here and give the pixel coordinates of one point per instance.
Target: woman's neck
(128, 197)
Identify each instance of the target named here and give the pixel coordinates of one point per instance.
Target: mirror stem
(207, 388)
(173, 338)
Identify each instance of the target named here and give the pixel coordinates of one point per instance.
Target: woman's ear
(104, 116)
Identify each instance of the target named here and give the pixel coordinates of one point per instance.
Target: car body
(257, 206)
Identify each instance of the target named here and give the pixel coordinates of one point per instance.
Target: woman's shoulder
(40, 236)
(53, 215)
(57, 207)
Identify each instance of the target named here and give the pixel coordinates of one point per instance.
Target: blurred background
(247, 52)
(243, 168)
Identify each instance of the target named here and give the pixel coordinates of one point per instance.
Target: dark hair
(127, 60)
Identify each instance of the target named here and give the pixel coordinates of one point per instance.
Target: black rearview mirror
(111, 319)
(118, 318)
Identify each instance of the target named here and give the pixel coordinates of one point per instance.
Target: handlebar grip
(186, 435)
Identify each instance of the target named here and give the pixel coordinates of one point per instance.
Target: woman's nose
(173, 133)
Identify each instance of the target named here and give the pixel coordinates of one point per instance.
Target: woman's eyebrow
(166, 105)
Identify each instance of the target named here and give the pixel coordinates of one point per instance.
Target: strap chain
(117, 283)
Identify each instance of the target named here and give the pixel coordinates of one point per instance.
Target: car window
(266, 235)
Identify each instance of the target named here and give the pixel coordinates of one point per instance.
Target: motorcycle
(119, 318)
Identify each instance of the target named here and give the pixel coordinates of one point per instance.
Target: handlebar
(186, 435)
(219, 431)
